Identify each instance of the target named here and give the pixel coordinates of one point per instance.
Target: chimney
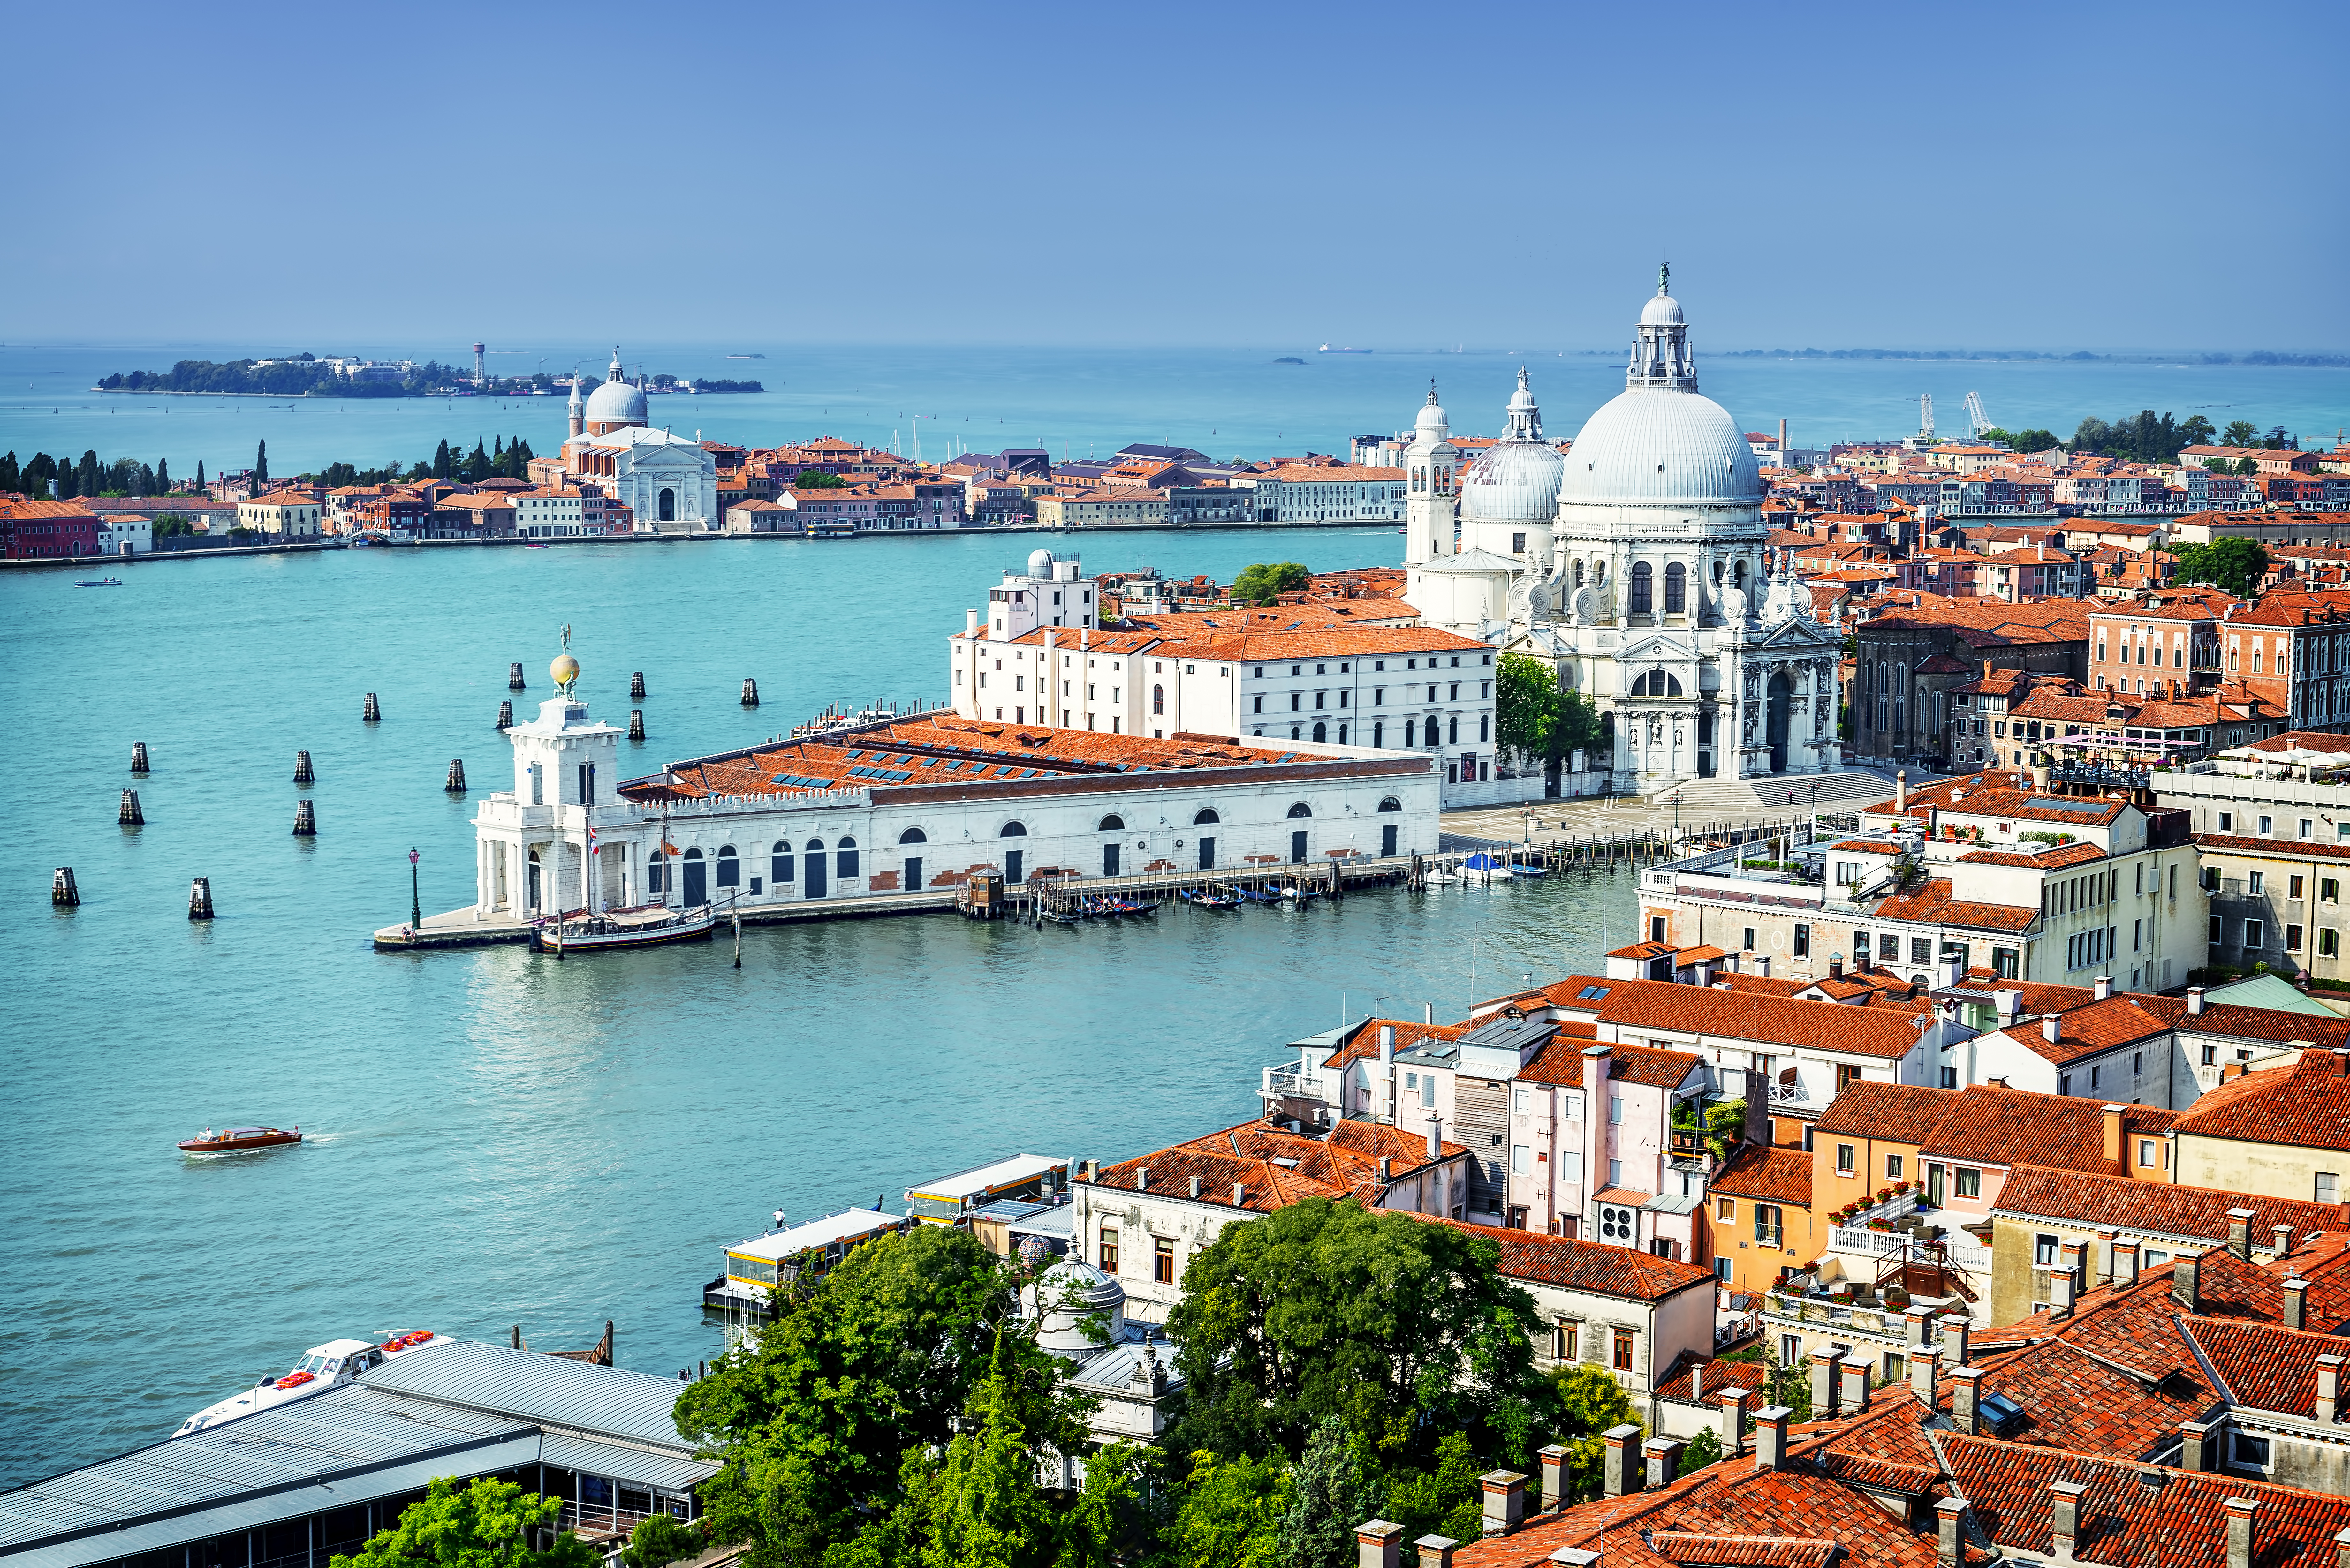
(1825, 1385)
(1436, 1551)
(2194, 999)
(1763, 965)
(1386, 1167)
(1854, 1371)
(2125, 1262)
(1733, 1421)
(1949, 1532)
(2297, 1302)
(2281, 1239)
(1621, 1471)
(1901, 789)
(2069, 1263)
(1956, 1327)
(2240, 1531)
(2063, 1517)
(1925, 1375)
(2008, 1004)
(2184, 1286)
(2328, 1406)
(1379, 1544)
(2196, 1448)
(2101, 988)
(1505, 1500)
(2060, 1293)
(1966, 1387)
(2239, 1233)
(1386, 1044)
(1915, 1323)
(2101, 1263)
(2050, 1028)
(1142, 1178)
(971, 623)
(1771, 1437)
(1663, 1457)
(1697, 1381)
(1554, 1476)
(1239, 1194)
(1195, 1180)
(1435, 1136)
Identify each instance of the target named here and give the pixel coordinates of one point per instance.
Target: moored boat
(321, 1368)
(645, 926)
(98, 582)
(237, 1140)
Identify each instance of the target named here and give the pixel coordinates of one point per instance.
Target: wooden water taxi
(645, 926)
(236, 1140)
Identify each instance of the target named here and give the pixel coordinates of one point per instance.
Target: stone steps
(1844, 791)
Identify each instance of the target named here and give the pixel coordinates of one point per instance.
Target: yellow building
(281, 515)
(1762, 1225)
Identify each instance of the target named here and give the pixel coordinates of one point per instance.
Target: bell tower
(1432, 497)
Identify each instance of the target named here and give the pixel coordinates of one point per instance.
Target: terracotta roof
(2305, 849)
(1883, 1027)
(1932, 904)
(1701, 1378)
(1898, 1113)
(1646, 1064)
(1768, 1172)
(1991, 1126)
(1277, 1168)
(284, 498)
(1589, 1266)
(2054, 857)
(2307, 1104)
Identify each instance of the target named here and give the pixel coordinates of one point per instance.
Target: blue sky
(2042, 176)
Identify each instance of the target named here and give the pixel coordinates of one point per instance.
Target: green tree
(2241, 432)
(1264, 582)
(1448, 1500)
(1703, 1449)
(87, 478)
(11, 478)
(1328, 1489)
(983, 1507)
(200, 474)
(811, 1420)
(440, 461)
(1590, 1402)
(2196, 430)
(261, 465)
(162, 476)
(1527, 705)
(817, 479)
(660, 1540)
(1230, 1513)
(2234, 566)
(487, 1525)
(1402, 1328)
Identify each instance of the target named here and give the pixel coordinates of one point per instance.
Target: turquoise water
(1225, 402)
(497, 1139)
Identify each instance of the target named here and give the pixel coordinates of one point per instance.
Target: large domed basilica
(669, 482)
(1636, 564)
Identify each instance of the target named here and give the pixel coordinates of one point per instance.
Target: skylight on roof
(1591, 994)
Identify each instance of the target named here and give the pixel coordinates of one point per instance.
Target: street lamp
(415, 903)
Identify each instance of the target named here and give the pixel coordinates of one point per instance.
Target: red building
(49, 530)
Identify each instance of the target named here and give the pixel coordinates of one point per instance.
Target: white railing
(1869, 1243)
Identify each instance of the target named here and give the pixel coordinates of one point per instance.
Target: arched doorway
(669, 506)
(1779, 704)
(697, 879)
(535, 905)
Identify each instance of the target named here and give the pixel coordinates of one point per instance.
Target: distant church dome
(1517, 478)
(1432, 412)
(617, 403)
(1658, 442)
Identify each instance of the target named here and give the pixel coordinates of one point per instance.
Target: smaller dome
(1040, 563)
(1072, 1297)
(1431, 417)
(1663, 310)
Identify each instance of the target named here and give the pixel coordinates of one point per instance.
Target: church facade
(667, 482)
(1637, 565)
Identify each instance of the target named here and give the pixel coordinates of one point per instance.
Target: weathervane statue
(565, 669)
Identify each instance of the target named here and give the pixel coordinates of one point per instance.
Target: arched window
(814, 846)
(1321, 732)
(1379, 734)
(1675, 588)
(913, 835)
(1014, 830)
(1410, 728)
(1655, 683)
(1301, 809)
(1738, 573)
(844, 861)
(1717, 569)
(1110, 824)
(1158, 699)
(669, 506)
(729, 868)
(1642, 577)
(1578, 574)
(1204, 815)
(694, 855)
(779, 863)
(656, 872)
(1391, 803)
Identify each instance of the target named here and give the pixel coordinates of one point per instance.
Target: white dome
(1663, 310)
(1656, 447)
(1514, 481)
(1431, 417)
(617, 403)
(1040, 563)
(1073, 1302)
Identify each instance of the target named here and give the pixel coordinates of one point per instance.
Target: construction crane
(1979, 420)
(1925, 414)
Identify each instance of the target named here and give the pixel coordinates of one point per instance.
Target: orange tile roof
(2307, 1104)
(2188, 1213)
(1987, 1125)
(1590, 1266)
(1932, 904)
(1883, 1027)
(1773, 1174)
(1899, 1113)
(1275, 1167)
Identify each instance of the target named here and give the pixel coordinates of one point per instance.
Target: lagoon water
(500, 1139)
(497, 1139)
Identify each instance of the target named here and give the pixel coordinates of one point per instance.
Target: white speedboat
(321, 1368)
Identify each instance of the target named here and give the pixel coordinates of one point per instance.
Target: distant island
(342, 376)
(1289, 360)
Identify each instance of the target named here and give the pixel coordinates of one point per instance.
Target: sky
(2051, 177)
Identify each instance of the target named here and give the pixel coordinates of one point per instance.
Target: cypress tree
(146, 480)
(261, 466)
(200, 473)
(440, 461)
(162, 476)
(88, 478)
(9, 478)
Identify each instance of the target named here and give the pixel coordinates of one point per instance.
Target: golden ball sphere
(565, 670)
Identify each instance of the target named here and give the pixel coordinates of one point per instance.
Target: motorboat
(239, 1140)
(319, 1368)
(643, 926)
(98, 582)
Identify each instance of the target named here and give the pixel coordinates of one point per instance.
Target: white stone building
(1636, 564)
(918, 806)
(668, 483)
